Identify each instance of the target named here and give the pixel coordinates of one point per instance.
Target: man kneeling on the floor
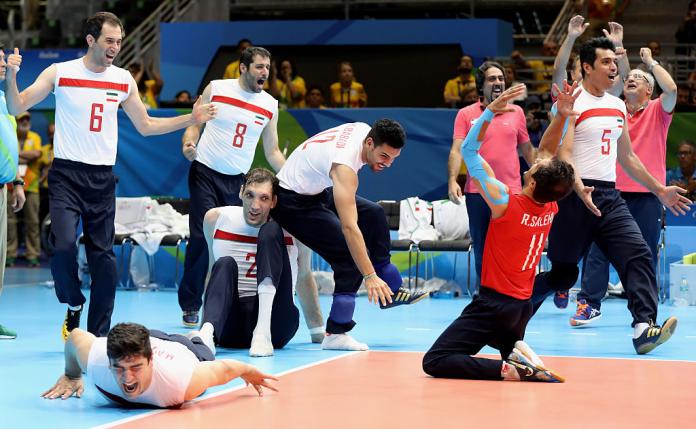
(519, 226)
(249, 295)
(137, 367)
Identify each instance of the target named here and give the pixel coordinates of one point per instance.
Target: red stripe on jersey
(243, 105)
(599, 112)
(231, 236)
(258, 122)
(112, 100)
(96, 84)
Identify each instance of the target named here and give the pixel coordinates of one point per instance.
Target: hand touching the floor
(258, 379)
(65, 387)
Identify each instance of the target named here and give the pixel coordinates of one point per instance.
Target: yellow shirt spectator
(232, 70)
(31, 177)
(285, 96)
(457, 86)
(355, 96)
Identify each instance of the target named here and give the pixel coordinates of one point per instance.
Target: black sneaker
(404, 297)
(529, 371)
(190, 319)
(72, 321)
(655, 335)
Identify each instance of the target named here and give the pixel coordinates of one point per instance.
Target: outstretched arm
(215, 373)
(76, 356)
(493, 191)
(548, 147)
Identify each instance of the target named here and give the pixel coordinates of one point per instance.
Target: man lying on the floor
(136, 367)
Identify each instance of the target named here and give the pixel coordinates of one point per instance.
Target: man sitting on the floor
(249, 295)
(137, 367)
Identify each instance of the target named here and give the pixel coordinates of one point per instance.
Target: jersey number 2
(239, 132)
(250, 272)
(95, 118)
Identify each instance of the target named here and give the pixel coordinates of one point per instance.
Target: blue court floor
(31, 364)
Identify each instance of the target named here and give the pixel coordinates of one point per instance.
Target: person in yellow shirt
(29, 160)
(460, 85)
(232, 69)
(347, 92)
(149, 89)
(46, 161)
(286, 86)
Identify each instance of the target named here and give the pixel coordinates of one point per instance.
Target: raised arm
(270, 144)
(147, 125)
(615, 34)
(345, 185)
(218, 372)
(668, 98)
(21, 102)
(548, 147)
(576, 26)
(77, 349)
(493, 191)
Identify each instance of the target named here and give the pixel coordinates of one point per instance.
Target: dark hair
(292, 66)
(93, 26)
(553, 181)
(247, 56)
(182, 92)
(588, 51)
(242, 42)
(261, 175)
(387, 131)
(128, 339)
(481, 74)
(688, 143)
(311, 88)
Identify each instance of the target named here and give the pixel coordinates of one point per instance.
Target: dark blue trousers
(77, 190)
(208, 189)
(234, 318)
(313, 220)
(617, 236)
(490, 319)
(479, 218)
(646, 209)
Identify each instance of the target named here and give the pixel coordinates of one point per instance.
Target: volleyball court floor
(608, 385)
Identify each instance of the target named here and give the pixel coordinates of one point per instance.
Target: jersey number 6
(95, 118)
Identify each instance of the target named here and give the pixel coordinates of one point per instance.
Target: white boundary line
(220, 393)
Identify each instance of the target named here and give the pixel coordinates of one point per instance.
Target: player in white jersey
(134, 367)
(254, 265)
(221, 156)
(596, 212)
(88, 93)
(317, 204)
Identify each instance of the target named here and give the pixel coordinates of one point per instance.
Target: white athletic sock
(342, 342)
(206, 335)
(75, 308)
(266, 293)
(639, 328)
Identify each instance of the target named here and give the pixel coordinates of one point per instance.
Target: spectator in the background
(511, 76)
(183, 97)
(656, 50)
(286, 86)
(686, 33)
(29, 161)
(347, 92)
(149, 83)
(685, 175)
(315, 97)
(543, 69)
(683, 96)
(232, 69)
(46, 161)
(537, 119)
(470, 96)
(455, 88)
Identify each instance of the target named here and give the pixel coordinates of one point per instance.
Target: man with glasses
(685, 174)
(648, 121)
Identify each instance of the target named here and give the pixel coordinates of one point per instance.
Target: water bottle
(682, 298)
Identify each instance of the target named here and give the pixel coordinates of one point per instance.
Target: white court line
(222, 392)
(418, 329)
(584, 333)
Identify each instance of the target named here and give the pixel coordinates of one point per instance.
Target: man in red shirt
(520, 223)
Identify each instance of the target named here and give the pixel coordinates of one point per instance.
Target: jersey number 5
(251, 272)
(95, 118)
(606, 142)
(239, 132)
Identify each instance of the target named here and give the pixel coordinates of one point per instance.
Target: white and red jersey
(307, 169)
(87, 110)
(234, 237)
(514, 244)
(597, 130)
(172, 368)
(228, 143)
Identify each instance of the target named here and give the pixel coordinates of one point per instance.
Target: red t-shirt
(514, 244)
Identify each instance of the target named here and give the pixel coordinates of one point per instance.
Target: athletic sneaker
(654, 335)
(33, 262)
(72, 321)
(528, 371)
(190, 319)
(342, 342)
(404, 297)
(560, 299)
(585, 314)
(7, 334)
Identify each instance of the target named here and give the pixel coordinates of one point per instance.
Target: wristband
(367, 277)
